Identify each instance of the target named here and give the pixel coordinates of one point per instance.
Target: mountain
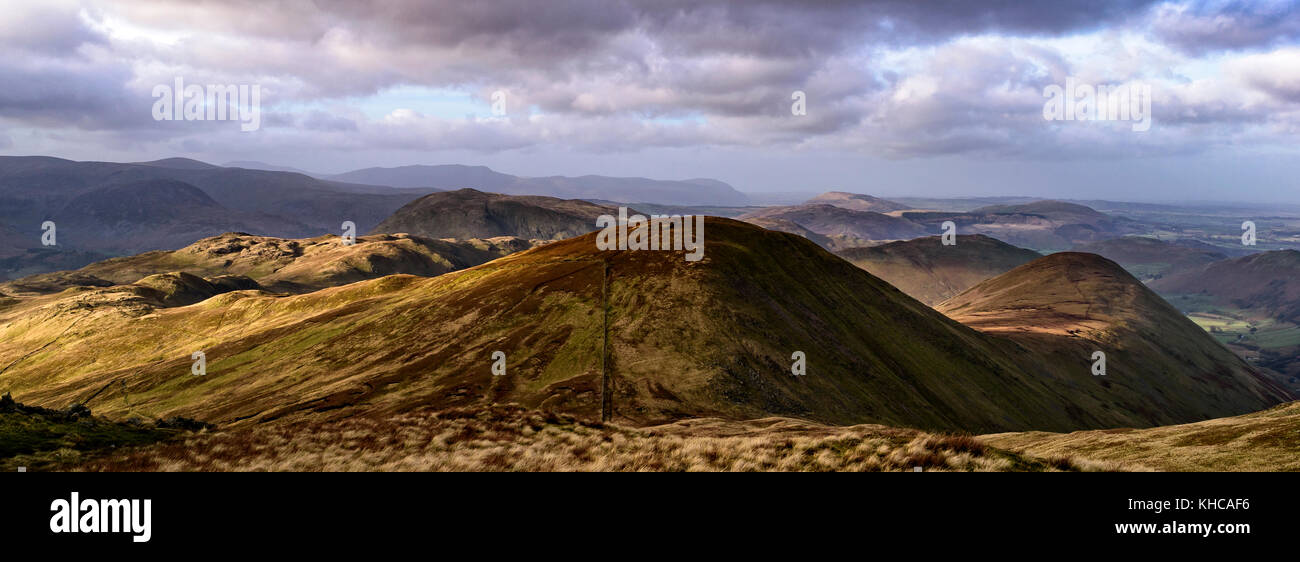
(856, 202)
(1251, 304)
(1266, 282)
(930, 272)
(1042, 225)
(117, 202)
(830, 220)
(1148, 258)
(238, 261)
(671, 338)
(450, 177)
(122, 217)
(1062, 308)
(469, 213)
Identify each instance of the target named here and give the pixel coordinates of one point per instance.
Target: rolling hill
(469, 213)
(672, 339)
(1251, 304)
(1266, 282)
(1045, 226)
(856, 202)
(277, 264)
(834, 221)
(1062, 308)
(930, 272)
(1149, 259)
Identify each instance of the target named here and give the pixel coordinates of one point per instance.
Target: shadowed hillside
(469, 213)
(1062, 308)
(930, 272)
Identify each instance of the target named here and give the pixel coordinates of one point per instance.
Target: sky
(899, 98)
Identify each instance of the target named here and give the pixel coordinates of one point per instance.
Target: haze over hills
(834, 221)
(685, 339)
(113, 208)
(1062, 308)
(470, 213)
(930, 272)
(1041, 225)
(1148, 258)
(451, 176)
(856, 202)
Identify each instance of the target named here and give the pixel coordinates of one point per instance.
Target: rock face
(469, 213)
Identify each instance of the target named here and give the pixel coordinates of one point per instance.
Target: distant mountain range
(103, 208)
(634, 190)
(850, 220)
(112, 208)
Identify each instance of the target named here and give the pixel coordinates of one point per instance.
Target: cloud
(891, 78)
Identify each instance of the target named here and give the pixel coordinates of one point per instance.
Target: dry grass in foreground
(1262, 441)
(507, 437)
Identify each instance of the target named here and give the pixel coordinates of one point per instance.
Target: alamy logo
(1085, 102)
(76, 515)
(215, 102)
(949, 236)
(49, 234)
(660, 232)
(1098, 363)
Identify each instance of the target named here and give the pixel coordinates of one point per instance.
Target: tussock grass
(1262, 441)
(512, 438)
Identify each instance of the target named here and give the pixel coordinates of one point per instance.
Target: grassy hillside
(281, 264)
(1251, 304)
(1062, 308)
(930, 272)
(708, 338)
(672, 339)
(1262, 441)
